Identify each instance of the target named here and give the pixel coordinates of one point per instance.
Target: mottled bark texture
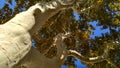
(15, 35)
(16, 49)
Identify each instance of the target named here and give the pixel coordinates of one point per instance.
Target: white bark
(15, 38)
(35, 59)
(15, 35)
(86, 59)
(15, 43)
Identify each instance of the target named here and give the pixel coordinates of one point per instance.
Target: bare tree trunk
(34, 59)
(15, 35)
(16, 49)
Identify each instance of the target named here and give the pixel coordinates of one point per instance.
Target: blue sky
(2, 3)
(12, 5)
(97, 31)
(77, 63)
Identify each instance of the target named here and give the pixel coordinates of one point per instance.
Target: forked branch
(85, 59)
(101, 58)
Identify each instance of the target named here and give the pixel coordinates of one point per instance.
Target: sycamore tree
(100, 51)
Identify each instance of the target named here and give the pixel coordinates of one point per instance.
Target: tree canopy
(105, 13)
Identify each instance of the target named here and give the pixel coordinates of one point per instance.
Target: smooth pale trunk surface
(34, 59)
(14, 44)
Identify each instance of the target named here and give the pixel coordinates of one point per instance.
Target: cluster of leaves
(106, 12)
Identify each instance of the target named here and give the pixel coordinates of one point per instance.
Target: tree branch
(58, 41)
(113, 64)
(82, 10)
(85, 59)
(101, 58)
